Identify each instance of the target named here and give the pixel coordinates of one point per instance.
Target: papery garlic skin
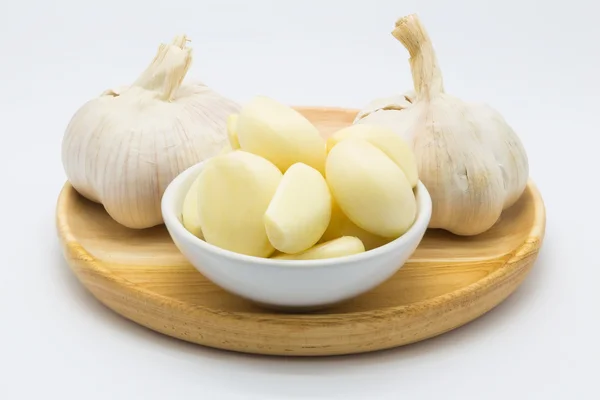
(471, 161)
(390, 103)
(123, 148)
(508, 151)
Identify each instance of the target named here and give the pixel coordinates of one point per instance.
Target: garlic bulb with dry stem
(471, 161)
(124, 147)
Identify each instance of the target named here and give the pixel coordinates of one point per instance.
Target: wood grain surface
(448, 282)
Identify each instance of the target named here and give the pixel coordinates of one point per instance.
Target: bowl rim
(175, 227)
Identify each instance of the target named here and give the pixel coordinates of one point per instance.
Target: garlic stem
(427, 76)
(167, 71)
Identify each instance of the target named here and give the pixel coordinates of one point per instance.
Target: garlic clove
(340, 225)
(280, 134)
(234, 191)
(340, 247)
(190, 213)
(385, 140)
(370, 188)
(225, 149)
(232, 131)
(300, 210)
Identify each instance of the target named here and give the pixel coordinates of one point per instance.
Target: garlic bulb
(471, 161)
(124, 147)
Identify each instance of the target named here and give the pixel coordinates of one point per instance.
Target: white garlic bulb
(124, 147)
(471, 161)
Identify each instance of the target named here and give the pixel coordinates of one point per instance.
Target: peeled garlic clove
(225, 149)
(234, 191)
(471, 161)
(340, 225)
(124, 147)
(232, 131)
(190, 214)
(370, 188)
(385, 140)
(344, 246)
(299, 211)
(280, 134)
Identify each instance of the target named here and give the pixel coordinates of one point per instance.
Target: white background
(537, 62)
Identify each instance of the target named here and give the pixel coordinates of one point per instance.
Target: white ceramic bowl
(290, 283)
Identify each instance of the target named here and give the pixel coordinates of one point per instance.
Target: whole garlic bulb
(471, 161)
(124, 147)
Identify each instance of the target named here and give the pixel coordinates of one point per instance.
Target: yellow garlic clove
(396, 148)
(225, 149)
(370, 188)
(299, 211)
(190, 214)
(340, 225)
(232, 131)
(234, 191)
(340, 247)
(280, 134)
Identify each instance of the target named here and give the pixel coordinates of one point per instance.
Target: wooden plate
(448, 282)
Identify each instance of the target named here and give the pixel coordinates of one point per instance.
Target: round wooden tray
(448, 282)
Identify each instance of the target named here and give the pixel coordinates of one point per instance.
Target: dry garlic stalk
(469, 158)
(124, 147)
